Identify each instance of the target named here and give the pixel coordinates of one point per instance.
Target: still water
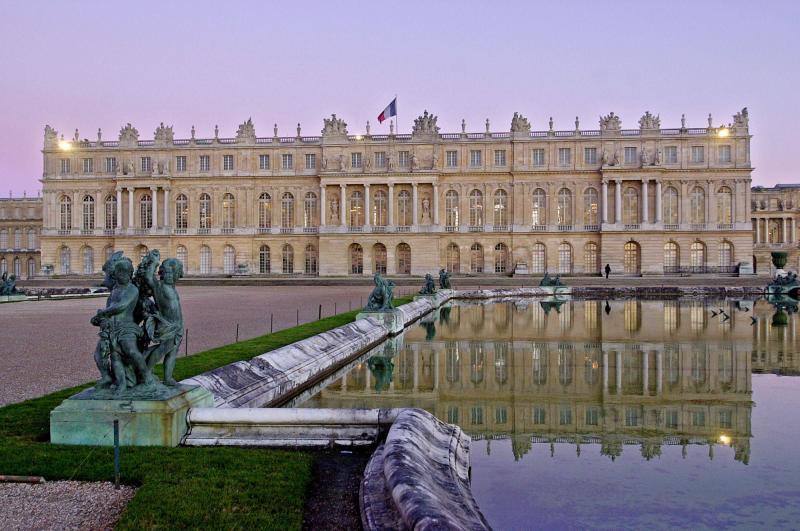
(606, 414)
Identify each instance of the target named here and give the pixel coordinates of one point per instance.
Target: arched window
(539, 258)
(111, 212)
(311, 260)
(697, 209)
(453, 258)
(630, 206)
(476, 209)
(451, 208)
(404, 210)
(181, 213)
(310, 210)
(228, 211)
(590, 209)
(205, 212)
(631, 259)
(264, 260)
(31, 268)
(3, 265)
(564, 258)
(17, 267)
(564, 207)
(697, 256)
(264, 211)
(205, 260)
(501, 258)
(287, 210)
(287, 258)
(32, 240)
(88, 213)
(356, 209)
(88, 260)
(539, 365)
(65, 213)
(500, 208)
(476, 258)
(65, 259)
(403, 259)
(671, 257)
(379, 256)
(724, 205)
(379, 209)
(725, 254)
(539, 207)
(146, 211)
(229, 260)
(182, 255)
(670, 206)
(356, 259)
(591, 259)
(18, 239)
(4, 239)
(107, 252)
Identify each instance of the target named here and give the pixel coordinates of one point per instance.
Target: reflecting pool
(607, 414)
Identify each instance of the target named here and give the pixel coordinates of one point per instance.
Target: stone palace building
(645, 200)
(20, 226)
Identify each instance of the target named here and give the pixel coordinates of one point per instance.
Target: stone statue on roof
(610, 122)
(246, 132)
(520, 124)
(334, 126)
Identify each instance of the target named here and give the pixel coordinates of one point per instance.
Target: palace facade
(20, 226)
(775, 215)
(644, 200)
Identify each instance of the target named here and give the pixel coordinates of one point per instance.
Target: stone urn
(780, 318)
(779, 259)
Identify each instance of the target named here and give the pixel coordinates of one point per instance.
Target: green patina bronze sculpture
(444, 279)
(8, 285)
(429, 288)
(380, 300)
(141, 324)
(548, 281)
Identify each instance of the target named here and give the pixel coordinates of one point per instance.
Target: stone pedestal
(393, 320)
(746, 268)
(83, 419)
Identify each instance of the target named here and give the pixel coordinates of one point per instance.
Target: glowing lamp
(724, 132)
(64, 145)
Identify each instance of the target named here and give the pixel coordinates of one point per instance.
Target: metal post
(319, 313)
(116, 454)
(186, 344)
(334, 308)
(270, 323)
(237, 332)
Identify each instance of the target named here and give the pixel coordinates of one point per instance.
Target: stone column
(165, 221)
(645, 202)
(391, 205)
(758, 230)
(785, 239)
(367, 212)
(618, 201)
(154, 189)
(343, 206)
(605, 370)
(659, 372)
(414, 211)
(619, 373)
(119, 208)
(658, 201)
(645, 373)
(323, 207)
(130, 208)
(604, 201)
(436, 203)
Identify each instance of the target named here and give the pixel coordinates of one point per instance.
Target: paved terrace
(48, 345)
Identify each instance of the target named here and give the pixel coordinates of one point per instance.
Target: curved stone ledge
(419, 478)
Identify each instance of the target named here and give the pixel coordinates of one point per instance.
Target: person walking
(607, 270)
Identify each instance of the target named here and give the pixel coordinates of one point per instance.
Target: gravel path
(62, 505)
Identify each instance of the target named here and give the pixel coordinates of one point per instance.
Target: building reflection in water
(646, 374)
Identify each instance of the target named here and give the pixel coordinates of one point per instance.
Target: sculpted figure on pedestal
(610, 122)
(429, 287)
(8, 284)
(334, 210)
(426, 211)
(444, 279)
(380, 300)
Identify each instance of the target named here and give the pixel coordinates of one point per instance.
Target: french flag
(389, 111)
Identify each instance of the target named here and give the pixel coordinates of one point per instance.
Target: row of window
(16, 264)
(31, 242)
(590, 156)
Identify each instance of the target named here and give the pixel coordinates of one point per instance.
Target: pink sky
(102, 64)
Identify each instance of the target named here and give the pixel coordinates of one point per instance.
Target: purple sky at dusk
(102, 64)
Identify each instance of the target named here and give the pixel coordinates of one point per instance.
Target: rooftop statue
(334, 126)
(429, 288)
(648, 121)
(610, 122)
(163, 135)
(520, 124)
(425, 125)
(380, 300)
(741, 119)
(8, 285)
(246, 132)
(444, 279)
(128, 135)
(50, 136)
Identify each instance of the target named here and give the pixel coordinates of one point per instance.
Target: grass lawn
(215, 487)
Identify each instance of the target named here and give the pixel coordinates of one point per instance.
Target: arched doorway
(632, 259)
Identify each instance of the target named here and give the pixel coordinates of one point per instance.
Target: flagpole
(397, 114)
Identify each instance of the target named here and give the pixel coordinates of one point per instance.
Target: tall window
(539, 208)
(724, 205)
(88, 213)
(182, 255)
(476, 258)
(311, 260)
(181, 212)
(88, 165)
(227, 162)
(671, 256)
(451, 208)
(147, 164)
(590, 155)
(310, 210)
(31, 267)
(111, 164)
(630, 155)
(564, 258)
(590, 209)
(500, 208)
(670, 206)
(65, 259)
(263, 162)
(355, 160)
(4, 239)
(476, 208)
(205, 260)
(698, 154)
(146, 211)
(697, 212)
(65, 213)
(287, 210)
(205, 211)
(452, 159)
(499, 157)
(539, 258)
(65, 169)
(205, 162)
(631, 258)
(501, 259)
(537, 157)
(228, 211)
(356, 259)
(453, 258)
(229, 260)
(404, 209)
(180, 163)
(379, 209)
(475, 158)
(724, 154)
(403, 259)
(264, 211)
(564, 156)
(18, 239)
(287, 161)
(725, 254)
(379, 256)
(380, 159)
(88, 260)
(263, 260)
(287, 259)
(564, 207)
(356, 209)
(111, 212)
(403, 159)
(630, 206)
(671, 155)
(32, 243)
(311, 161)
(591, 259)
(697, 255)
